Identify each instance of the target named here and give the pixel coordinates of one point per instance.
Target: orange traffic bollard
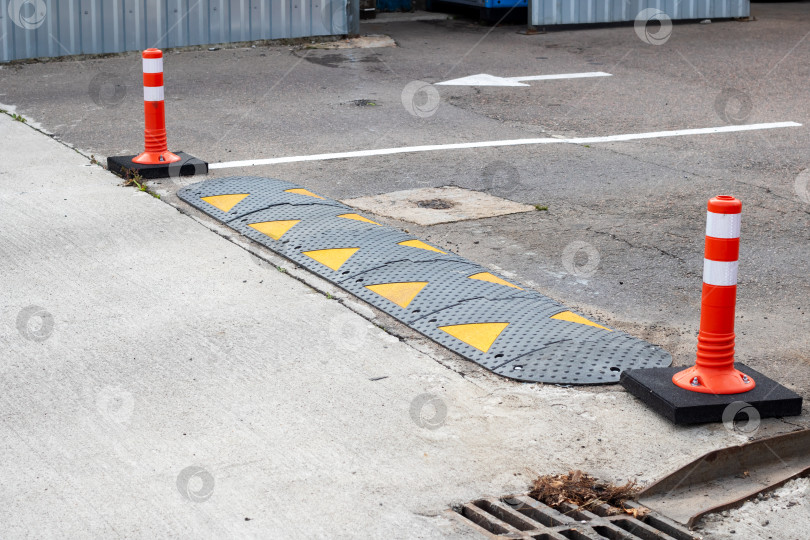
(156, 161)
(713, 390)
(714, 372)
(157, 148)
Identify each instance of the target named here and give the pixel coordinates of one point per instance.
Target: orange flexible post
(156, 145)
(714, 372)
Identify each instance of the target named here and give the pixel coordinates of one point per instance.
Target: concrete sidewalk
(158, 381)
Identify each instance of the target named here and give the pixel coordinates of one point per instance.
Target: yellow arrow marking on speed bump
(302, 191)
(331, 258)
(478, 335)
(421, 245)
(486, 276)
(275, 229)
(401, 294)
(225, 202)
(357, 217)
(573, 317)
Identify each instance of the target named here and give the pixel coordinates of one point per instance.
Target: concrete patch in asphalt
(431, 206)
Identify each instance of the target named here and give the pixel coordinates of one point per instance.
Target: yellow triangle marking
(486, 276)
(358, 217)
(331, 258)
(302, 191)
(225, 202)
(401, 294)
(478, 335)
(275, 229)
(421, 245)
(573, 317)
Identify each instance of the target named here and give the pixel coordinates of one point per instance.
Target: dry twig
(584, 491)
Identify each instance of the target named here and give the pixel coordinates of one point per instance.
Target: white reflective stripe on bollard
(153, 93)
(153, 65)
(719, 273)
(723, 225)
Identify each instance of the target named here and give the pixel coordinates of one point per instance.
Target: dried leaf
(581, 489)
(636, 512)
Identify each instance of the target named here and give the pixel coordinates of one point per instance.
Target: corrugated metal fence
(40, 28)
(551, 12)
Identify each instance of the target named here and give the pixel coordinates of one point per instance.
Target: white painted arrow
(484, 79)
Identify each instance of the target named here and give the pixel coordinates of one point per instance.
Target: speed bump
(497, 323)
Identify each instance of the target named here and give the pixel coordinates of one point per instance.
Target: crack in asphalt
(640, 246)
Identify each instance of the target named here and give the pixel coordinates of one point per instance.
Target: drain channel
(523, 517)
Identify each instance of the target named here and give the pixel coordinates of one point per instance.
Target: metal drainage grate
(524, 517)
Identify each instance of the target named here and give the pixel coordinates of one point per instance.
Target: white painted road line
(513, 142)
(485, 79)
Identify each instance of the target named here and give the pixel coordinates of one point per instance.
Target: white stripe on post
(723, 225)
(153, 65)
(153, 93)
(719, 273)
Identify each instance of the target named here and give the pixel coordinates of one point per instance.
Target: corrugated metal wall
(550, 12)
(39, 28)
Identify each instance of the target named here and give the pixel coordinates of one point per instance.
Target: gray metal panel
(239, 27)
(88, 33)
(176, 23)
(69, 27)
(352, 16)
(5, 38)
(112, 21)
(552, 12)
(298, 17)
(259, 19)
(132, 26)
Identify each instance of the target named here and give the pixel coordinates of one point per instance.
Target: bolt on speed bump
(485, 318)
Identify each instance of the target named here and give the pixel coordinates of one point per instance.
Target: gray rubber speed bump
(486, 318)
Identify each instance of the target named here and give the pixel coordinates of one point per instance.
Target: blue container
(490, 4)
(393, 5)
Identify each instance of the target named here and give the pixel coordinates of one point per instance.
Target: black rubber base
(187, 166)
(655, 388)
